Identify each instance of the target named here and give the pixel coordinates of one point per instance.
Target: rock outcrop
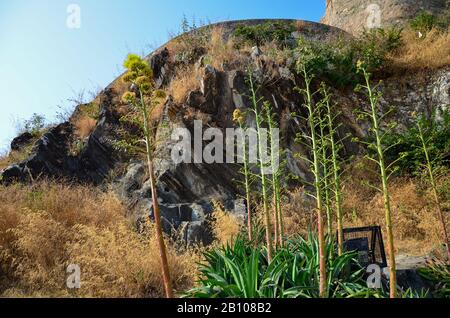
(354, 16)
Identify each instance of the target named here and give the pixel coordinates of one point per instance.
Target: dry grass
(185, 80)
(417, 230)
(84, 126)
(432, 51)
(225, 226)
(48, 226)
(221, 52)
(300, 26)
(14, 156)
(416, 226)
(298, 215)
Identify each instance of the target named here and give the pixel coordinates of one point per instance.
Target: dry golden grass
(221, 52)
(416, 225)
(84, 126)
(417, 230)
(300, 25)
(14, 156)
(47, 226)
(185, 80)
(298, 215)
(432, 51)
(226, 226)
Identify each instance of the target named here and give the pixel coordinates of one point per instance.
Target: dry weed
(432, 51)
(225, 226)
(185, 80)
(84, 126)
(47, 226)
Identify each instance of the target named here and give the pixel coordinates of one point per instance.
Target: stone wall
(355, 15)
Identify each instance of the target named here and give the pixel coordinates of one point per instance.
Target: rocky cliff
(354, 16)
(187, 191)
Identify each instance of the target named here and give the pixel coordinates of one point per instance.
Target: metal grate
(368, 242)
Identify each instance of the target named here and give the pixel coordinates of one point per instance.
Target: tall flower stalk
(336, 169)
(239, 117)
(434, 187)
(316, 170)
(325, 162)
(377, 145)
(262, 165)
(140, 76)
(276, 178)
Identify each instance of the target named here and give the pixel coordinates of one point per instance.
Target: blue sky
(43, 62)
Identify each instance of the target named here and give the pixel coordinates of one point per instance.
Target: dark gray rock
(22, 140)
(160, 64)
(51, 158)
(411, 279)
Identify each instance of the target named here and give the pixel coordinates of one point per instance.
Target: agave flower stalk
(375, 118)
(276, 186)
(434, 187)
(140, 75)
(335, 169)
(325, 178)
(239, 117)
(262, 175)
(312, 123)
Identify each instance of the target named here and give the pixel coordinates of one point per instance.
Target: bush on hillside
(278, 32)
(408, 146)
(335, 62)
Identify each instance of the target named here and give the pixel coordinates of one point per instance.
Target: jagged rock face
(187, 190)
(354, 16)
(51, 156)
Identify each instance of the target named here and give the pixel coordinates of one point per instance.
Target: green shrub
(91, 110)
(335, 62)
(407, 145)
(444, 20)
(374, 46)
(438, 273)
(424, 22)
(242, 271)
(279, 32)
(35, 125)
(191, 40)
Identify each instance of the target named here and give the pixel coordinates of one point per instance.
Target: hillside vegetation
(365, 165)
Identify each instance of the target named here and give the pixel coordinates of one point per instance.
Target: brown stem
(159, 234)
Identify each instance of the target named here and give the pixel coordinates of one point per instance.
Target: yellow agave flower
(128, 97)
(239, 116)
(142, 80)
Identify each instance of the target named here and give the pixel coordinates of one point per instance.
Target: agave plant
(139, 74)
(243, 271)
(239, 117)
(313, 119)
(377, 145)
(438, 273)
(259, 119)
